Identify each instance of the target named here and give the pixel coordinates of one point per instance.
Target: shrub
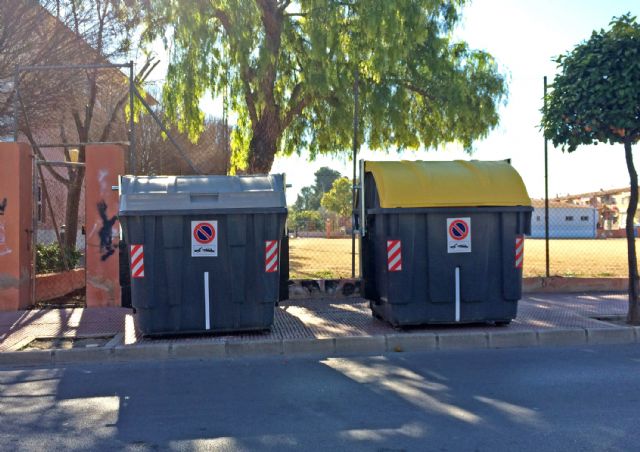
(305, 220)
(51, 258)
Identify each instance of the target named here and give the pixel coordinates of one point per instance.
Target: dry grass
(321, 258)
(577, 257)
(331, 258)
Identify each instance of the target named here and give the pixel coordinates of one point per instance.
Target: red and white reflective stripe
(519, 251)
(137, 261)
(394, 255)
(271, 256)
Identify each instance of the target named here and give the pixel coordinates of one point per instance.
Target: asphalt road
(571, 399)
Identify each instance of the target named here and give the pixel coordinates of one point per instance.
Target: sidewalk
(317, 326)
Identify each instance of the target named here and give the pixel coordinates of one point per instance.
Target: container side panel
(512, 276)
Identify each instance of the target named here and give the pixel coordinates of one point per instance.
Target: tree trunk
(74, 191)
(263, 145)
(634, 307)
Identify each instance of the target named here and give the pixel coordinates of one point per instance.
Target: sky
(523, 36)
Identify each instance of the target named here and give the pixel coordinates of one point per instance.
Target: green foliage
(596, 95)
(596, 98)
(325, 177)
(308, 199)
(291, 68)
(305, 220)
(52, 258)
(339, 198)
(310, 196)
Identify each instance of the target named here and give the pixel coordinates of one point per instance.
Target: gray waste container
(204, 251)
(443, 241)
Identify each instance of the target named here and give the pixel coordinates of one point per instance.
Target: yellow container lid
(456, 183)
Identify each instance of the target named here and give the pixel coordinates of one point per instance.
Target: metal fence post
(546, 191)
(132, 136)
(16, 83)
(355, 163)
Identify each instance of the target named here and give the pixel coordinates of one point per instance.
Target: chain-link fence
(321, 249)
(161, 149)
(586, 239)
(92, 110)
(60, 110)
(586, 236)
(59, 250)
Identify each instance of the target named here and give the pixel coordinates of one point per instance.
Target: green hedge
(51, 258)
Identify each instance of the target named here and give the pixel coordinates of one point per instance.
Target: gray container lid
(177, 195)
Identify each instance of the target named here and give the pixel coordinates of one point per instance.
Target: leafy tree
(596, 99)
(339, 198)
(325, 178)
(310, 196)
(308, 199)
(291, 67)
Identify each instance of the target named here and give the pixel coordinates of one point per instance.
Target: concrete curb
(325, 347)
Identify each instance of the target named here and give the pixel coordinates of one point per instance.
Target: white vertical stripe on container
(207, 320)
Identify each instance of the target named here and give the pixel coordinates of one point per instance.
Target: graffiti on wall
(106, 241)
(4, 249)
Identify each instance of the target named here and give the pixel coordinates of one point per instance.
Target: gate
(59, 245)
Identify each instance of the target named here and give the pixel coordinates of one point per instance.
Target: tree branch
(284, 4)
(141, 77)
(36, 148)
(272, 22)
(222, 17)
(411, 86)
(249, 96)
(297, 103)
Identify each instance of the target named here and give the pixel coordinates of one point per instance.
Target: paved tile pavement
(313, 318)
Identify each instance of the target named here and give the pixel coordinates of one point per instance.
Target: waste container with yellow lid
(442, 242)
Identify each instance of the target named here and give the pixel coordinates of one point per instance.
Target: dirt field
(331, 258)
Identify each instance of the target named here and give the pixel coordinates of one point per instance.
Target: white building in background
(566, 220)
(612, 205)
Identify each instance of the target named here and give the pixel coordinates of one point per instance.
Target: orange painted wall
(104, 163)
(16, 194)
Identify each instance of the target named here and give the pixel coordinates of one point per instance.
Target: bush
(51, 258)
(305, 220)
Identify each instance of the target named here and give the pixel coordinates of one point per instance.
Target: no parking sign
(459, 235)
(204, 238)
